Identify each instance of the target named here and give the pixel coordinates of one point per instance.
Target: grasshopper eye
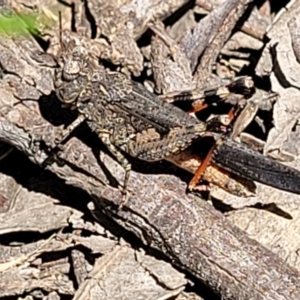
(79, 53)
(68, 77)
(71, 70)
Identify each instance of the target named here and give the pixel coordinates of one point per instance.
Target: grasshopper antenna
(60, 31)
(62, 48)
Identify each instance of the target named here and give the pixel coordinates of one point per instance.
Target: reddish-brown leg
(197, 107)
(231, 113)
(206, 162)
(200, 171)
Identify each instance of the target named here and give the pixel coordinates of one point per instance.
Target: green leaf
(17, 24)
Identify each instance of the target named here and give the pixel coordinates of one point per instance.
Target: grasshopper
(128, 118)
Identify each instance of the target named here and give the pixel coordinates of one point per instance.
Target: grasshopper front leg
(68, 130)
